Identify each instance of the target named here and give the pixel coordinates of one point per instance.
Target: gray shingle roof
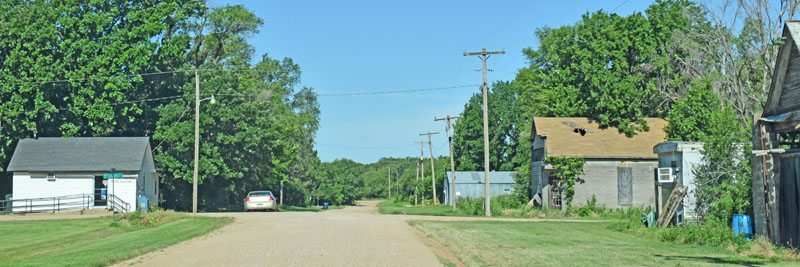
(79, 154)
(474, 177)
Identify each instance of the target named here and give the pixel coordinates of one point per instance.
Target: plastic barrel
(742, 225)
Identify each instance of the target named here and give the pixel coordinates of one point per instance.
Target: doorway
(100, 192)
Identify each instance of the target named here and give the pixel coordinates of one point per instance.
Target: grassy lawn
(388, 207)
(82, 242)
(569, 244)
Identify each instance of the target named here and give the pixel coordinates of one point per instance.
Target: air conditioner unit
(665, 176)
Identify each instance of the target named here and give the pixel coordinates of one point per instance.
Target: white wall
(125, 189)
(25, 187)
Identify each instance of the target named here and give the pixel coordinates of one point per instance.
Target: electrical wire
(620, 5)
(397, 91)
(172, 127)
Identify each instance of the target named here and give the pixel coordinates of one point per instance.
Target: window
(554, 201)
(625, 186)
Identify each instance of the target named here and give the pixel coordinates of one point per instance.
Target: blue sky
(370, 46)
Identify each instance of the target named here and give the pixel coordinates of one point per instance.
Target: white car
(260, 200)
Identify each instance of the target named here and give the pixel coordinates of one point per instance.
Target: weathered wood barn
(776, 149)
(619, 170)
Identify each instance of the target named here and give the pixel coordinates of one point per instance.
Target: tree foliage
(505, 121)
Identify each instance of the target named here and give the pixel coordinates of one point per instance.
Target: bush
(145, 219)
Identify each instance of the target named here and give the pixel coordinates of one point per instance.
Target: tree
(605, 67)
(505, 118)
(65, 65)
(723, 179)
(260, 133)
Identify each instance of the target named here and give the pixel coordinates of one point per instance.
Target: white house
(68, 172)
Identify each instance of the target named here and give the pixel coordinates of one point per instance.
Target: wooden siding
(790, 95)
(125, 189)
(25, 187)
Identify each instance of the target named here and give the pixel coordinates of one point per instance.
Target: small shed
(681, 158)
(775, 160)
(470, 185)
(61, 168)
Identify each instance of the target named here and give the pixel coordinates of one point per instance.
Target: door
(789, 198)
(100, 193)
(554, 199)
(625, 186)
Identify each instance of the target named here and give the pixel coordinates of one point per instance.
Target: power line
(398, 91)
(363, 147)
(171, 128)
(506, 23)
(96, 78)
(620, 5)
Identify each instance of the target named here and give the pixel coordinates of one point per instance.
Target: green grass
(389, 207)
(569, 244)
(93, 242)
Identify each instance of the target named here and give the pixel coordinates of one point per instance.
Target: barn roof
(791, 33)
(476, 177)
(582, 137)
(79, 154)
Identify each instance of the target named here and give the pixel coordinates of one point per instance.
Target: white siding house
(68, 172)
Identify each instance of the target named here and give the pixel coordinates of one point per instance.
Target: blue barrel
(325, 205)
(742, 225)
(143, 201)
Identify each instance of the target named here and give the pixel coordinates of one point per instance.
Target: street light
(197, 101)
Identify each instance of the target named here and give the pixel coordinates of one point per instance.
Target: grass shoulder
(482, 243)
(98, 241)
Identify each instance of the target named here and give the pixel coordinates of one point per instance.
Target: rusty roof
(582, 137)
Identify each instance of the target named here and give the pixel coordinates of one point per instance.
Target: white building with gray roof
(61, 169)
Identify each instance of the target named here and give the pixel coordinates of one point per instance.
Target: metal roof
(476, 177)
(79, 154)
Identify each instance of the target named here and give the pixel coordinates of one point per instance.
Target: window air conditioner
(665, 176)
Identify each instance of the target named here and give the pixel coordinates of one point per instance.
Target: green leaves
(566, 170)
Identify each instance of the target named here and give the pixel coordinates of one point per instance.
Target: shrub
(146, 219)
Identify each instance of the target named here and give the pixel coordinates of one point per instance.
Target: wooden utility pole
(421, 166)
(483, 55)
(433, 169)
(415, 184)
(452, 162)
(389, 176)
(196, 139)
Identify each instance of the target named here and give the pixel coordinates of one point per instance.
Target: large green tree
(605, 67)
(65, 66)
(257, 136)
(505, 122)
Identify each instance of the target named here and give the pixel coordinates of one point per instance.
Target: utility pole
(421, 164)
(389, 177)
(433, 169)
(483, 55)
(452, 162)
(415, 184)
(196, 139)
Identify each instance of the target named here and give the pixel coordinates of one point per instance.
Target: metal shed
(470, 185)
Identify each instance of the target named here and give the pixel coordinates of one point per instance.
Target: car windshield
(260, 194)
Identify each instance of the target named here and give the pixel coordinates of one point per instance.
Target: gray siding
(790, 95)
(601, 179)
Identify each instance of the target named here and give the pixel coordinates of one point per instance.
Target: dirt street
(353, 236)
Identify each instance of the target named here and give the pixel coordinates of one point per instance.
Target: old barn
(776, 149)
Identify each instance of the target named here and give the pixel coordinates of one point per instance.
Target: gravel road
(353, 236)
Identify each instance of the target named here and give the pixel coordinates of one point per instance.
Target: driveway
(353, 236)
